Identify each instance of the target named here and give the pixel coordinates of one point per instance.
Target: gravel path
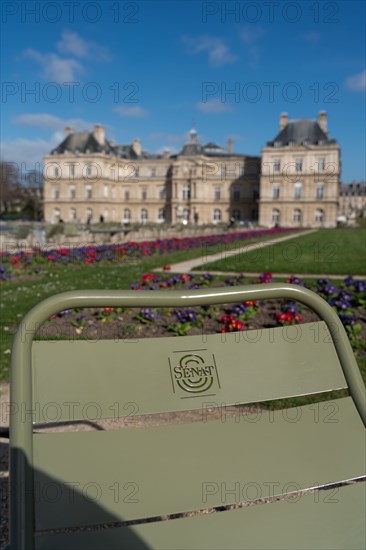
(187, 266)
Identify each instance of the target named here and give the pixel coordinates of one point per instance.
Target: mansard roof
(301, 132)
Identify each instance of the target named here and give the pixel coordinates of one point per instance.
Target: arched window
(72, 214)
(319, 215)
(89, 215)
(161, 215)
(186, 214)
(236, 214)
(217, 215)
(298, 190)
(143, 215)
(56, 214)
(297, 215)
(126, 215)
(275, 216)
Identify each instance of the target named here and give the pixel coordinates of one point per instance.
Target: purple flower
(185, 315)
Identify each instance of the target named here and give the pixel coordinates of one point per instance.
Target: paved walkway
(283, 275)
(189, 265)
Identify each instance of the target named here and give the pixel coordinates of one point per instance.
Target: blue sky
(150, 69)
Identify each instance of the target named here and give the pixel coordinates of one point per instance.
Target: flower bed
(348, 299)
(32, 262)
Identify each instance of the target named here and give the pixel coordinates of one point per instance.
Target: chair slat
(83, 380)
(329, 519)
(134, 473)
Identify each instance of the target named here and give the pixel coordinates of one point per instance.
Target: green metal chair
(66, 480)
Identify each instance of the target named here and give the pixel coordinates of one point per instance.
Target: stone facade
(295, 183)
(88, 182)
(300, 176)
(352, 200)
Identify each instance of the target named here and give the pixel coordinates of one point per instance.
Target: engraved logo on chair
(193, 373)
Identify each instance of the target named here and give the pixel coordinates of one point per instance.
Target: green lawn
(330, 251)
(20, 294)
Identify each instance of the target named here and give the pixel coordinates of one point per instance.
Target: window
(236, 214)
(88, 170)
(319, 215)
(56, 214)
(72, 192)
(72, 214)
(126, 215)
(321, 164)
(143, 215)
(56, 193)
(105, 191)
(236, 193)
(186, 214)
(320, 191)
(217, 215)
(126, 194)
(277, 165)
(297, 190)
(217, 193)
(89, 215)
(223, 171)
(89, 191)
(153, 172)
(255, 193)
(186, 192)
(255, 215)
(276, 191)
(161, 193)
(56, 171)
(297, 215)
(72, 170)
(275, 216)
(161, 215)
(298, 164)
(113, 192)
(144, 193)
(242, 170)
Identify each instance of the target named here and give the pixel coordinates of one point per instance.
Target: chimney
(283, 120)
(322, 121)
(230, 146)
(99, 134)
(136, 146)
(68, 131)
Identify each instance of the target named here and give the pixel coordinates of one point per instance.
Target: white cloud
(54, 67)
(131, 112)
(251, 36)
(214, 106)
(357, 82)
(218, 52)
(29, 151)
(44, 120)
(72, 43)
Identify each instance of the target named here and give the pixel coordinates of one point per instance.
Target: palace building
(295, 182)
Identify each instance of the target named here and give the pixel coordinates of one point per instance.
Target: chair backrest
(86, 380)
